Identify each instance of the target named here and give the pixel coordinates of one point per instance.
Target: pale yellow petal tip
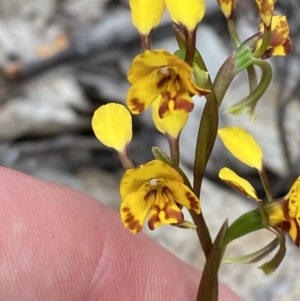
(187, 13)
(227, 7)
(112, 126)
(242, 146)
(231, 178)
(146, 14)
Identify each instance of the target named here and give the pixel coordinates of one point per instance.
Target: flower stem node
(155, 191)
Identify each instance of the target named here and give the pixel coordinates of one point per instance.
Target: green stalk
(247, 104)
(233, 33)
(224, 77)
(174, 151)
(265, 181)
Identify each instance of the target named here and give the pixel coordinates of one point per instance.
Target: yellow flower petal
(144, 64)
(142, 94)
(184, 196)
(112, 125)
(285, 212)
(294, 232)
(266, 9)
(242, 146)
(232, 179)
(227, 7)
(134, 210)
(146, 14)
(188, 13)
(190, 85)
(134, 178)
(164, 212)
(170, 125)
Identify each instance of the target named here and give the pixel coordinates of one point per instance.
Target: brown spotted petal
(182, 102)
(184, 196)
(280, 43)
(164, 211)
(285, 212)
(135, 208)
(266, 8)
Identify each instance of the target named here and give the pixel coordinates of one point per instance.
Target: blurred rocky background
(61, 59)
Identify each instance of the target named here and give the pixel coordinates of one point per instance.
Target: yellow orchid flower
(280, 43)
(146, 14)
(172, 124)
(242, 146)
(285, 212)
(160, 73)
(227, 7)
(112, 125)
(266, 9)
(154, 190)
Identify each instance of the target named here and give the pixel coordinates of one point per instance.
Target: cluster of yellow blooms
(156, 191)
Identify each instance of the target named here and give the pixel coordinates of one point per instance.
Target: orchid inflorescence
(156, 191)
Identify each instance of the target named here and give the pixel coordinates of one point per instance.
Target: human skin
(60, 244)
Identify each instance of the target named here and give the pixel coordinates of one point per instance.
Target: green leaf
(271, 266)
(209, 276)
(255, 256)
(245, 224)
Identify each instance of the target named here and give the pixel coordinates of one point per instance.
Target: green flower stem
(265, 42)
(265, 181)
(145, 42)
(159, 154)
(210, 271)
(200, 161)
(247, 104)
(255, 256)
(245, 224)
(125, 159)
(272, 265)
(224, 77)
(236, 40)
(190, 46)
(233, 33)
(206, 137)
(252, 78)
(174, 151)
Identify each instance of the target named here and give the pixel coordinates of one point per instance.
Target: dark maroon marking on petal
(182, 103)
(154, 218)
(163, 81)
(297, 240)
(284, 205)
(137, 105)
(194, 202)
(287, 45)
(268, 53)
(132, 223)
(163, 108)
(126, 209)
(285, 226)
(170, 213)
(150, 194)
(237, 187)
